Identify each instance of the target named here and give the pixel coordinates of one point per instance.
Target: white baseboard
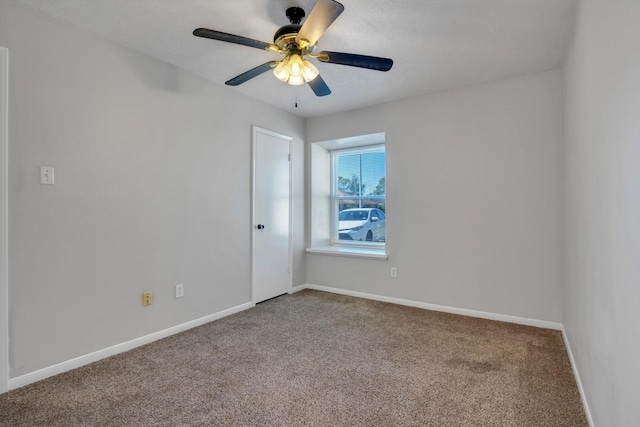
(298, 289)
(576, 374)
(434, 307)
(119, 348)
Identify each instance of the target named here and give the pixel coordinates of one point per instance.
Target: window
(359, 195)
(362, 156)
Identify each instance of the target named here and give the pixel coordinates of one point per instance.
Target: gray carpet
(314, 358)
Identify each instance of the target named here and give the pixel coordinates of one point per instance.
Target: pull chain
(296, 97)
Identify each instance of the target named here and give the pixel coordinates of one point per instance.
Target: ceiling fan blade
(230, 38)
(353, 60)
(254, 72)
(322, 15)
(319, 87)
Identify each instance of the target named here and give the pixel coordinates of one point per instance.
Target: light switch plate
(46, 175)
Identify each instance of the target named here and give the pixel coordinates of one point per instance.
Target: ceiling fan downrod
(295, 15)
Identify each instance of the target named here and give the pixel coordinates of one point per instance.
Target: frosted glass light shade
(309, 71)
(281, 72)
(295, 70)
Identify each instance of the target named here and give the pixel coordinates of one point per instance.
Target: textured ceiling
(435, 44)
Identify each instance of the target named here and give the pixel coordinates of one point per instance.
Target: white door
(271, 249)
(4, 293)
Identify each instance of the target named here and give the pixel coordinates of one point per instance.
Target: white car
(367, 224)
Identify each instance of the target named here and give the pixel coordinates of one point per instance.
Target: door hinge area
(289, 157)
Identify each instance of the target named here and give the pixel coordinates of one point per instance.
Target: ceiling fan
(298, 42)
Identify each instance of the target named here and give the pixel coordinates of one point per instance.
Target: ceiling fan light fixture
(295, 70)
(297, 42)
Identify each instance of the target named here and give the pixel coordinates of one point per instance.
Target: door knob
(260, 227)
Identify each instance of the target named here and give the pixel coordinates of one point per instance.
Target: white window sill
(353, 252)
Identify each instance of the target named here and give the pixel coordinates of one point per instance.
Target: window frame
(334, 208)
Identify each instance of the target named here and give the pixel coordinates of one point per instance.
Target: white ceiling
(435, 44)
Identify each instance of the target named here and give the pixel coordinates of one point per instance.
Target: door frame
(4, 203)
(255, 130)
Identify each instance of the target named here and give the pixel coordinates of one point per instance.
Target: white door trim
(254, 133)
(4, 277)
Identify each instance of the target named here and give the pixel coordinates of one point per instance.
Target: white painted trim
(4, 203)
(120, 348)
(290, 213)
(353, 141)
(442, 308)
(576, 374)
(351, 252)
(335, 205)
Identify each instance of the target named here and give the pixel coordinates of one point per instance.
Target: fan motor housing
(283, 32)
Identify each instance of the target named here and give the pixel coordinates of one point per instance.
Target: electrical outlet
(147, 298)
(46, 175)
(179, 290)
(394, 272)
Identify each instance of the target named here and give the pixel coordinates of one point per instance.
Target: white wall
(4, 285)
(152, 169)
(602, 207)
(474, 197)
(320, 187)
